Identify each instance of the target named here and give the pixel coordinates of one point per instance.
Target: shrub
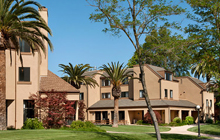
(82, 106)
(189, 120)
(177, 120)
(148, 119)
(217, 121)
(209, 121)
(139, 122)
(78, 124)
(57, 109)
(32, 124)
(11, 128)
(89, 124)
(84, 126)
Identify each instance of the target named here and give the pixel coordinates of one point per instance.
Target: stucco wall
(189, 91)
(152, 83)
(170, 85)
(207, 110)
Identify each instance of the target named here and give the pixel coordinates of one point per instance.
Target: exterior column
(77, 111)
(166, 115)
(126, 117)
(180, 114)
(190, 113)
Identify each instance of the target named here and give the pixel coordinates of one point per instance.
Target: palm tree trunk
(156, 127)
(115, 123)
(2, 90)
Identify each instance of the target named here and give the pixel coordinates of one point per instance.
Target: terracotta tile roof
(142, 103)
(52, 81)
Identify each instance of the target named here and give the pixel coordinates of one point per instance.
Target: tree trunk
(2, 90)
(115, 123)
(152, 114)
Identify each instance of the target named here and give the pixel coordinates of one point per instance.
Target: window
(125, 81)
(106, 82)
(24, 74)
(106, 95)
(140, 77)
(121, 115)
(210, 103)
(81, 96)
(28, 109)
(171, 93)
(207, 102)
(24, 46)
(165, 93)
(141, 94)
(124, 94)
(168, 76)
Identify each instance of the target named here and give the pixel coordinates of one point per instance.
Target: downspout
(15, 92)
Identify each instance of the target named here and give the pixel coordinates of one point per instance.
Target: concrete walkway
(180, 130)
(183, 130)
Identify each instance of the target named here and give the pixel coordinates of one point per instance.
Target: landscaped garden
(213, 129)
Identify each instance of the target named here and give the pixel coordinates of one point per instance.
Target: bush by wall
(177, 120)
(189, 120)
(32, 124)
(209, 121)
(85, 126)
(148, 119)
(139, 122)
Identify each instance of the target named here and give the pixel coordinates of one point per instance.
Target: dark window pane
(24, 46)
(81, 96)
(24, 74)
(171, 93)
(141, 94)
(165, 92)
(121, 115)
(28, 109)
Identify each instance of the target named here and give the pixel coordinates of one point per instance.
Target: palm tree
(76, 75)
(203, 69)
(116, 73)
(13, 13)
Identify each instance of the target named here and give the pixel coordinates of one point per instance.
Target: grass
(213, 129)
(133, 128)
(80, 135)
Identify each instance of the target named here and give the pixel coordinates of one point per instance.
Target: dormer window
(168, 76)
(106, 82)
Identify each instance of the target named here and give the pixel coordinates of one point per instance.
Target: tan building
(34, 77)
(170, 96)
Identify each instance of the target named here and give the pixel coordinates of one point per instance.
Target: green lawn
(207, 129)
(79, 135)
(133, 128)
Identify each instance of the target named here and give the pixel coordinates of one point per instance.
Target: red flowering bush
(53, 108)
(148, 119)
(81, 112)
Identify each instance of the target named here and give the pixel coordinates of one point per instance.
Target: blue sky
(77, 39)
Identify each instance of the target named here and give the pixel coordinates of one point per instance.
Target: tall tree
(12, 28)
(206, 32)
(116, 73)
(162, 49)
(135, 18)
(76, 75)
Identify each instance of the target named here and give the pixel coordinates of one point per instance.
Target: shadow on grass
(114, 136)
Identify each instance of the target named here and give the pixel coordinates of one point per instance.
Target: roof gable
(53, 82)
